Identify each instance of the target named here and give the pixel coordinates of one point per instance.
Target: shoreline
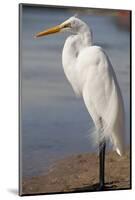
(79, 173)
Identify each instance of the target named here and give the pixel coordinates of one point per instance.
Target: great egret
(90, 73)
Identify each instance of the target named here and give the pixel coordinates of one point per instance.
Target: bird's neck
(86, 38)
(74, 44)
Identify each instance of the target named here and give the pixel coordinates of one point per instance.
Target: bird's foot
(101, 187)
(104, 187)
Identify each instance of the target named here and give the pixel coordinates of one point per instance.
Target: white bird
(91, 75)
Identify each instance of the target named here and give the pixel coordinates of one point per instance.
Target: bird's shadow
(95, 187)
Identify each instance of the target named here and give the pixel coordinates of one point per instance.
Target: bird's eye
(67, 25)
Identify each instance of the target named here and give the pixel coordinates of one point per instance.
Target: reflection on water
(54, 122)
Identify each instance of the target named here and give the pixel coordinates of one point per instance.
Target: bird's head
(73, 25)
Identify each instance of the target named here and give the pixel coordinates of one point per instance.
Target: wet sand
(80, 173)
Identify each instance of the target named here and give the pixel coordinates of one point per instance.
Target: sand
(79, 173)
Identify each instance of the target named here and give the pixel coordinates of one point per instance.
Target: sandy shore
(80, 173)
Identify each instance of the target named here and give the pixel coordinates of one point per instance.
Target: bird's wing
(102, 95)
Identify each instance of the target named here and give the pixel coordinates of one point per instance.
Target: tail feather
(114, 121)
(111, 126)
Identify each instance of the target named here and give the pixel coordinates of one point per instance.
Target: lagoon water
(54, 123)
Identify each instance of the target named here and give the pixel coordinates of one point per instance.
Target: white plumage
(89, 71)
(91, 75)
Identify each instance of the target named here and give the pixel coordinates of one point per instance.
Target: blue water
(54, 122)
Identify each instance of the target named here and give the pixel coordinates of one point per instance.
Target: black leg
(102, 146)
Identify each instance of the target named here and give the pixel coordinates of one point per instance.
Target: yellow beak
(52, 30)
